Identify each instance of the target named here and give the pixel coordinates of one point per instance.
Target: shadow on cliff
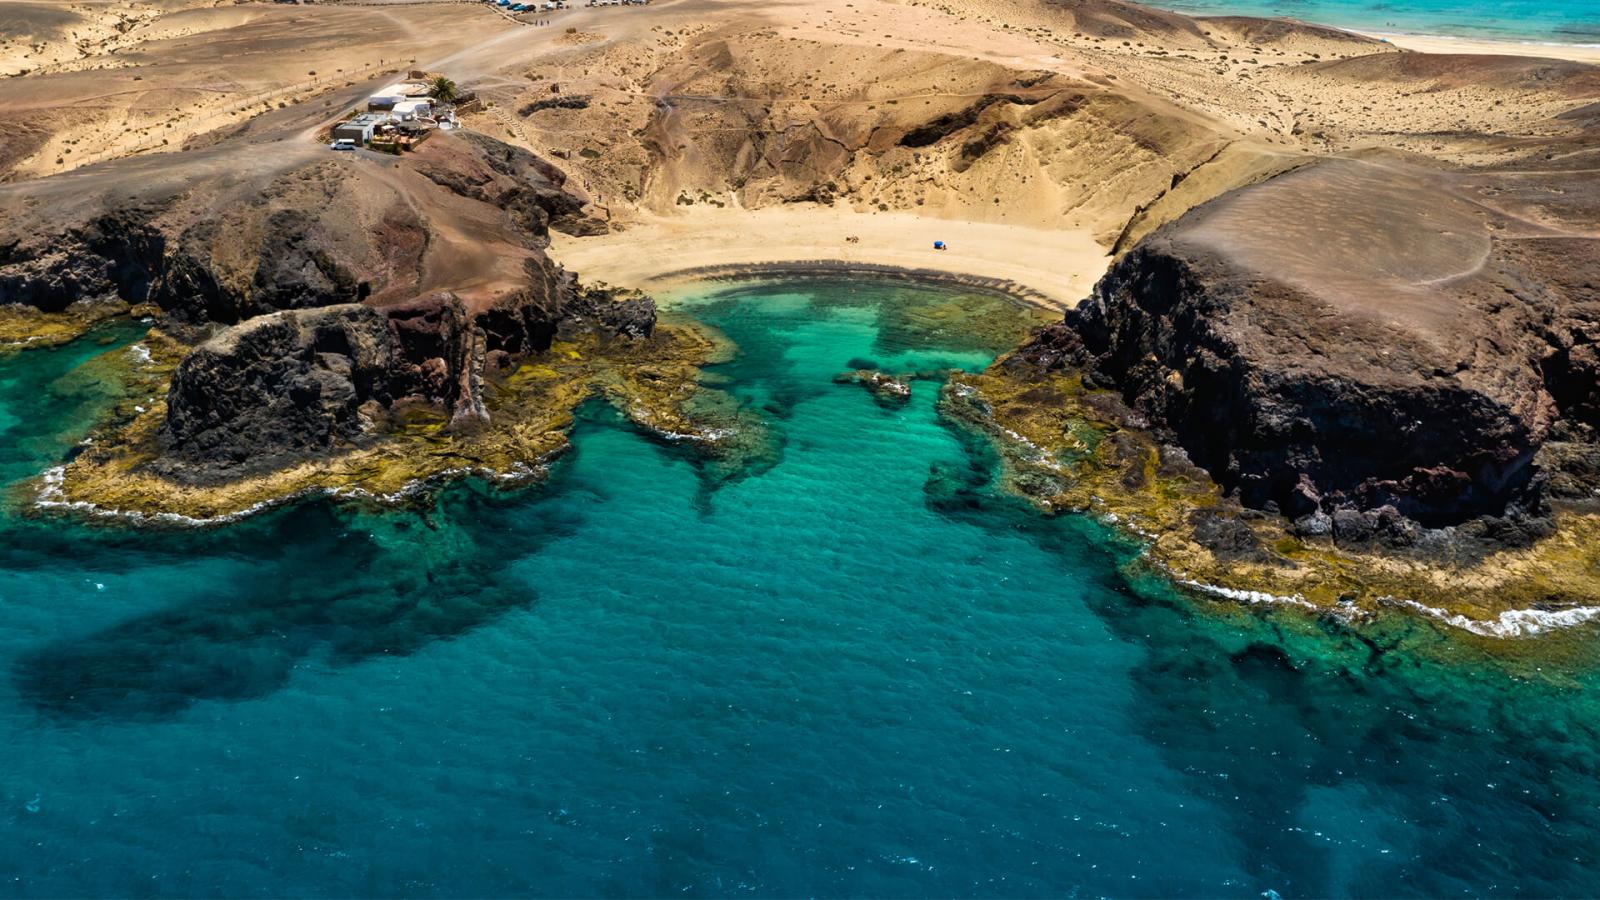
(1318, 743)
(349, 586)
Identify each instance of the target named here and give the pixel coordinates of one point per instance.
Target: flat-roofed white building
(389, 95)
(410, 109)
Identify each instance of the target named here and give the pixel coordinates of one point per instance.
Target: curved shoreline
(1050, 268)
(826, 269)
(1550, 46)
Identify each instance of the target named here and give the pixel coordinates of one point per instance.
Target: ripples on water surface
(856, 671)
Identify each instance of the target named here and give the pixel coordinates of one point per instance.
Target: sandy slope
(176, 74)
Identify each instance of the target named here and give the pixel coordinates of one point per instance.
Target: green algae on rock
(652, 381)
(26, 326)
(1067, 447)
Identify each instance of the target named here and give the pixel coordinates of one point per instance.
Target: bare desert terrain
(1096, 121)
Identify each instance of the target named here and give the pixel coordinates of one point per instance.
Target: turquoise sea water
(1559, 21)
(857, 671)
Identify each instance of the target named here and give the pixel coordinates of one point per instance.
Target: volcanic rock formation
(1358, 335)
(327, 279)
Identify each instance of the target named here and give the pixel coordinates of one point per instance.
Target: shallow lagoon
(853, 668)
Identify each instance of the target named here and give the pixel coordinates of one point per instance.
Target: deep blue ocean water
(1558, 21)
(858, 670)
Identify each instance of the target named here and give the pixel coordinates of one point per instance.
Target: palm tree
(443, 89)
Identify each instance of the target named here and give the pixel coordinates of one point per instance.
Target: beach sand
(1428, 43)
(1055, 267)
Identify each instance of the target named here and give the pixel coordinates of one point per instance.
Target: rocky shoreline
(299, 349)
(1344, 378)
(132, 473)
(1279, 421)
(1068, 448)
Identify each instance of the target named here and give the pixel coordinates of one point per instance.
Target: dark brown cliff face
(279, 387)
(1353, 337)
(113, 254)
(219, 248)
(291, 385)
(298, 383)
(1289, 430)
(297, 241)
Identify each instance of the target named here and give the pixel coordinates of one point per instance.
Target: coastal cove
(896, 448)
(627, 679)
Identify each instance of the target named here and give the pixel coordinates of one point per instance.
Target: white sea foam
(1254, 597)
(139, 352)
(1511, 623)
(51, 496)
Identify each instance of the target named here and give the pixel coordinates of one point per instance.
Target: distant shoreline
(1410, 36)
(1444, 43)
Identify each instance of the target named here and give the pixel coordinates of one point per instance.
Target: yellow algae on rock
(650, 380)
(1066, 447)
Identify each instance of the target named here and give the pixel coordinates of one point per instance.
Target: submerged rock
(888, 390)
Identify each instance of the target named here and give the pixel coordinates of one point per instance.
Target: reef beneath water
(1067, 446)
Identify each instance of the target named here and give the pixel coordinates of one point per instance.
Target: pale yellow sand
(1061, 265)
(1435, 44)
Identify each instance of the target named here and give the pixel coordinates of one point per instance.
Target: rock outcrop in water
(283, 386)
(1358, 342)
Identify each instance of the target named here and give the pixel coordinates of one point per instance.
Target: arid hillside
(1096, 117)
(146, 77)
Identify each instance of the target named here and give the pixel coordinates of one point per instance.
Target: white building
(388, 96)
(407, 110)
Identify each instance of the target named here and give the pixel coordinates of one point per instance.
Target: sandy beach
(1059, 265)
(1432, 43)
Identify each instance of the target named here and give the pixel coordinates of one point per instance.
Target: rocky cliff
(289, 385)
(208, 244)
(1358, 340)
(282, 385)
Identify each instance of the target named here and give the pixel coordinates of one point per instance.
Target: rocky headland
(1400, 414)
(337, 325)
